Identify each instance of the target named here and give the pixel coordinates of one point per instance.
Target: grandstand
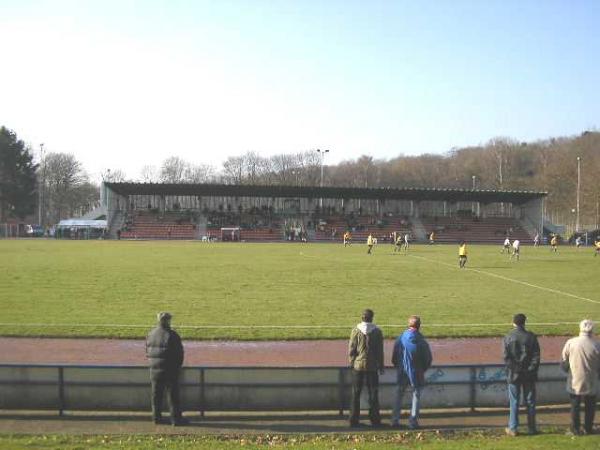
(290, 213)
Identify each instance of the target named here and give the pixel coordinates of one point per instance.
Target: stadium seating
(178, 225)
(489, 230)
(151, 225)
(361, 227)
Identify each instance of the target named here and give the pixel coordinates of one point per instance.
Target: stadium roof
(235, 190)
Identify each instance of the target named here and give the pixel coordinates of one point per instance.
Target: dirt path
(259, 353)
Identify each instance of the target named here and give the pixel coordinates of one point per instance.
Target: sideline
(251, 327)
(524, 283)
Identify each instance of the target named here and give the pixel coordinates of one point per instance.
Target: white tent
(81, 223)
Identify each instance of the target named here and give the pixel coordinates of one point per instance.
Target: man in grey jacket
(165, 355)
(365, 352)
(581, 359)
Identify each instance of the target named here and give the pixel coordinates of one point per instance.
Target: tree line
(60, 182)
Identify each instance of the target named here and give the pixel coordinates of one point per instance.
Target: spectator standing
(581, 359)
(165, 355)
(365, 352)
(412, 358)
(522, 359)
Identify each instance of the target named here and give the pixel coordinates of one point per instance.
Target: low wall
(127, 388)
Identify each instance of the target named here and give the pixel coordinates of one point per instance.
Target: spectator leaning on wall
(581, 359)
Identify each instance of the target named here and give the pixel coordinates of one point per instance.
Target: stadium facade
(320, 210)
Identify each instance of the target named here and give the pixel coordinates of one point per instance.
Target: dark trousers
(170, 383)
(589, 402)
(371, 380)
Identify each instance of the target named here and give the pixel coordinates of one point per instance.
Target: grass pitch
(286, 291)
(551, 440)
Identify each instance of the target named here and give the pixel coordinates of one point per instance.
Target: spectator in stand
(412, 358)
(522, 359)
(165, 355)
(365, 352)
(581, 359)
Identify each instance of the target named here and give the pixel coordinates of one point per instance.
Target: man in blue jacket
(411, 357)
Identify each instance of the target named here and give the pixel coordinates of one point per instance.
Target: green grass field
(550, 440)
(286, 291)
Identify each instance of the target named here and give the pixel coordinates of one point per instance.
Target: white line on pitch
(491, 274)
(198, 327)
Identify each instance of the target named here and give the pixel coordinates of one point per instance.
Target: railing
(127, 388)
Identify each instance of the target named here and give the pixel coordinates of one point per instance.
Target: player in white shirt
(516, 245)
(506, 246)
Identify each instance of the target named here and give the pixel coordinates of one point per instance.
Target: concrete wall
(101, 388)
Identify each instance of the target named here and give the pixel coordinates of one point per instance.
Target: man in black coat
(522, 358)
(165, 355)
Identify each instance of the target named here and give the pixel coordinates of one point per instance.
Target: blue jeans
(404, 383)
(514, 397)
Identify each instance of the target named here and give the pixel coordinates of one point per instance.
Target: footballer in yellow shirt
(462, 254)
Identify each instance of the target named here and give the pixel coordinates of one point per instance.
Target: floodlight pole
(578, 192)
(322, 153)
(41, 182)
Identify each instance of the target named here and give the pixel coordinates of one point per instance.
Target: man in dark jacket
(365, 351)
(522, 358)
(165, 355)
(412, 358)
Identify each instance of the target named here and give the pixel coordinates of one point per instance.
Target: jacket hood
(366, 327)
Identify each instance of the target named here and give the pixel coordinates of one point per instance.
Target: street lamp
(578, 191)
(322, 153)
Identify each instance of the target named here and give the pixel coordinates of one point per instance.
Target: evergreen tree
(17, 177)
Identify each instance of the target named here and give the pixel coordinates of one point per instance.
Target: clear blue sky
(125, 83)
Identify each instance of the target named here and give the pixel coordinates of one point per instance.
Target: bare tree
(68, 188)
(203, 173)
(173, 170)
(149, 174)
(113, 176)
(233, 170)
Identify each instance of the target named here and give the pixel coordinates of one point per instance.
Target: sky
(123, 84)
